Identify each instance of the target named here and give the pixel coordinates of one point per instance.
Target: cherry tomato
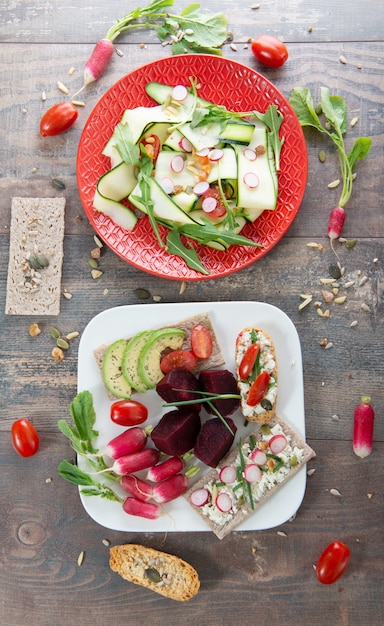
(270, 51)
(333, 562)
(128, 413)
(151, 145)
(178, 359)
(248, 360)
(25, 439)
(258, 389)
(201, 341)
(58, 119)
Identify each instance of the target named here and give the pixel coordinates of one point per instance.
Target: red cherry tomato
(25, 439)
(270, 51)
(248, 360)
(333, 562)
(128, 413)
(178, 359)
(258, 389)
(58, 119)
(151, 145)
(201, 341)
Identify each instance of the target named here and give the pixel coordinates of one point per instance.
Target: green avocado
(130, 360)
(150, 356)
(111, 370)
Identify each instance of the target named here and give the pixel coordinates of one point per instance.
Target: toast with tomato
(256, 374)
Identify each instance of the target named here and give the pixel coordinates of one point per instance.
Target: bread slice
(161, 572)
(295, 456)
(37, 231)
(266, 409)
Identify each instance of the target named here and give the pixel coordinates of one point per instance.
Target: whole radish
(363, 420)
(97, 62)
(336, 222)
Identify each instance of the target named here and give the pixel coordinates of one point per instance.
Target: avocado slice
(111, 370)
(129, 366)
(150, 356)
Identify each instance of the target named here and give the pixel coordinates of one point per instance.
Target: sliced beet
(176, 387)
(214, 441)
(220, 381)
(177, 431)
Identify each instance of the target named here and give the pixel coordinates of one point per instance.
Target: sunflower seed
(335, 492)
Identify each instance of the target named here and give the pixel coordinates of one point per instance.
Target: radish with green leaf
(363, 420)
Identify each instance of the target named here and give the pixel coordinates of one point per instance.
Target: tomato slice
(201, 341)
(248, 360)
(128, 413)
(178, 359)
(25, 439)
(333, 562)
(258, 389)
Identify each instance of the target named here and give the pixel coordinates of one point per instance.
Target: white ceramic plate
(228, 318)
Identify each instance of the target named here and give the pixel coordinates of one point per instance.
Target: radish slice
(201, 187)
(250, 154)
(224, 502)
(277, 443)
(167, 185)
(228, 474)
(209, 204)
(252, 473)
(259, 457)
(215, 155)
(203, 152)
(251, 180)
(179, 93)
(177, 164)
(199, 497)
(185, 144)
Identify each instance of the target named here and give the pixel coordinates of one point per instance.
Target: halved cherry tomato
(201, 341)
(128, 413)
(270, 51)
(258, 389)
(151, 145)
(248, 360)
(25, 439)
(178, 359)
(333, 562)
(58, 119)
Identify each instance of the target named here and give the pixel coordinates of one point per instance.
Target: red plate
(222, 81)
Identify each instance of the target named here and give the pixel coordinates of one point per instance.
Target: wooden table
(265, 576)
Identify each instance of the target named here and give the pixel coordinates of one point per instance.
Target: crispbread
(245, 510)
(179, 580)
(37, 226)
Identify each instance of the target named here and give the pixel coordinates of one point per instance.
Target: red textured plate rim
(222, 81)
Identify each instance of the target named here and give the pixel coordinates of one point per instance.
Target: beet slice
(175, 385)
(214, 441)
(177, 431)
(220, 381)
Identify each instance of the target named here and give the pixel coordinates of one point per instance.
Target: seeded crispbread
(37, 227)
(160, 572)
(245, 511)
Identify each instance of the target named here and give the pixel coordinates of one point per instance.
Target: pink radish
(252, 473)
(136, 461)
(251, 180)
(171, 466)
(199, 497)
(228, 474)
(250, 154)
(215, 155)
(259, 457)
(185, 144)
(203, 152)
(136, 487)
(97, 62)
(363, 428)
(336, 222)
(179, 93)
(177, 164)
(224, 502)
(170, 488)
(167, 185)
(149, 510)
(201, 188)
(209, 204)
(277, 443)
(131, 440)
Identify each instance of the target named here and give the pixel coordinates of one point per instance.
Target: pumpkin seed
(38, 261)
(266, 404)
(64, 345)
(322, 156)
(350, 243)
(334, 271)
(58, 184)
(93, 263)
(55, 334)
(153, 575)
(142, 294)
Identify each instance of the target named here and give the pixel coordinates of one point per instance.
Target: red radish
(228, 474)
(336, 222)
(252, 473)
(179, 93)
(161, 471)
(251, 180)
(199, 497)
(131, 440)
(137, 487)
(201, 188)
(170, 488)
(185, 144)
(277, 443)
(97, 62)
(167, 185)
(203, 152)
(363, 428)
(177, 164)
(209, 204)
(149, 510)
(224, 502)
(136, 461)
(250, 154)
(259, 457)
(215, 155)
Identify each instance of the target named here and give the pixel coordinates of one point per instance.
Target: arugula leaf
(213, 113)
(144, 179)
(204, 233)
(273, 119)
(128, 150)
(175, 246)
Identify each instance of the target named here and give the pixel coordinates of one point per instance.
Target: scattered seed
(96, 274)
(369, 495)
(353, 324)
(334, 184)
(335, 271)
(58, 184)
(153, 575)
(349, 284)
(97, 241)
(43, 96)
(327, 313)
(310, 29)
(335, 291)
(327, 295)
(106, 542)
(281, 533)
(58, 354)
(62, 87)
(322, 156)
(48, 480)
(340, 300)
(326, 281)
(320, 312)
(78, 103)
(350, 243)
(328, 345)
(312, 244)
(72, 335)
(93, 263)
(142, 294)
(188, 31)
(311, 471)
(359, 66)
(80, 558)
(119, 52)
(34, 330)
(343, 60)
(62, 343)
(71, 71)
(183, 287)
(362, 281)
(255, 6)
(335, 492)
(96, 253)
(54, 332)
(305, 303)
(233, 47)
(323, 342)
(375, 260)
(156, 298)
(335, 417)
(354, 121)
(105, 292)
(67, 295)
(365, 307)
